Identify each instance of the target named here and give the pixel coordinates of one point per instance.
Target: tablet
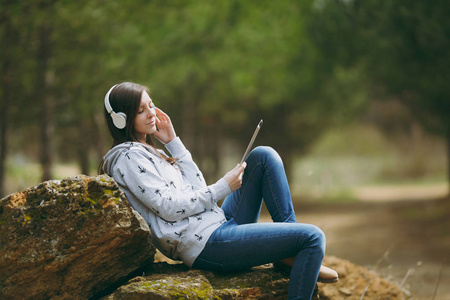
(249, 147)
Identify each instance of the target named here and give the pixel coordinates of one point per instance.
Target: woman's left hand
(166, 132)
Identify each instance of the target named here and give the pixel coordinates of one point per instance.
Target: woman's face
(145, 121)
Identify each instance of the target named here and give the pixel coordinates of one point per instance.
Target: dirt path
(405, 241)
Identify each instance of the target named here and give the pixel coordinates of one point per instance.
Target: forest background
(352, 93)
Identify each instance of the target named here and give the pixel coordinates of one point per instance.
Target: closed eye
(142, 108)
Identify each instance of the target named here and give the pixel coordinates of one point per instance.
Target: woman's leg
(264, 178)
(235, 247)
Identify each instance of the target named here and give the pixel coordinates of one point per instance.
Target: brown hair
(126, 98)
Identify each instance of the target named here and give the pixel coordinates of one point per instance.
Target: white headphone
(119, 119)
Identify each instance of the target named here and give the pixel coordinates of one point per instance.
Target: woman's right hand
(165, 133)
(234, 177)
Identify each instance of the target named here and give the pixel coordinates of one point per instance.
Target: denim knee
(317, 239)
(266, 153)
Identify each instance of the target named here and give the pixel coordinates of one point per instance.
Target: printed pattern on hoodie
(179, 207)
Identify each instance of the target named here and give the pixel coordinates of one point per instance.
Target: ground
(406, 241)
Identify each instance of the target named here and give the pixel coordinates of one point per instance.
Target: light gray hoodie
(179, 207)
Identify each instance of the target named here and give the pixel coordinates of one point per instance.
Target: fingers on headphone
(162, 116)
(160, 112)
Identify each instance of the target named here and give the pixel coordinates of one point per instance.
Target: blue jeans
(242, 243)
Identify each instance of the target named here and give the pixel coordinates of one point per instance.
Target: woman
(181, 209)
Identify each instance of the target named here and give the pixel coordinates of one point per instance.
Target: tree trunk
(44, 81)
(208, 150)
(100, 145)
(47, 129)
(217, 142)
(189, 116)
(447, 136)
(5, 98)
(83, 154)
(4, 111)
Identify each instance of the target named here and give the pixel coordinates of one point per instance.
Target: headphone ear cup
(119, 119)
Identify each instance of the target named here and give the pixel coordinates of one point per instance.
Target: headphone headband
(119, 119)
(107, 104)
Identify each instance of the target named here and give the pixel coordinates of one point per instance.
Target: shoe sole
(321, 280)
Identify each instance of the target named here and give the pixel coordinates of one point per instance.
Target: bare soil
(405, 241)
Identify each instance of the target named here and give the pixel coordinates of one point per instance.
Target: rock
(69, 239)
(166, 281)
(179, 282)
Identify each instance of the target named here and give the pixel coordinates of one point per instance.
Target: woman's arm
(166, 134)
(154, 187)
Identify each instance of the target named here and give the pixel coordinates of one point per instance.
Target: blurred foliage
(401, 46)
(216, 67)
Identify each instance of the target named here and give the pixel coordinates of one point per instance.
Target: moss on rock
(69, 239)
(263, 282)
(181, 286)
